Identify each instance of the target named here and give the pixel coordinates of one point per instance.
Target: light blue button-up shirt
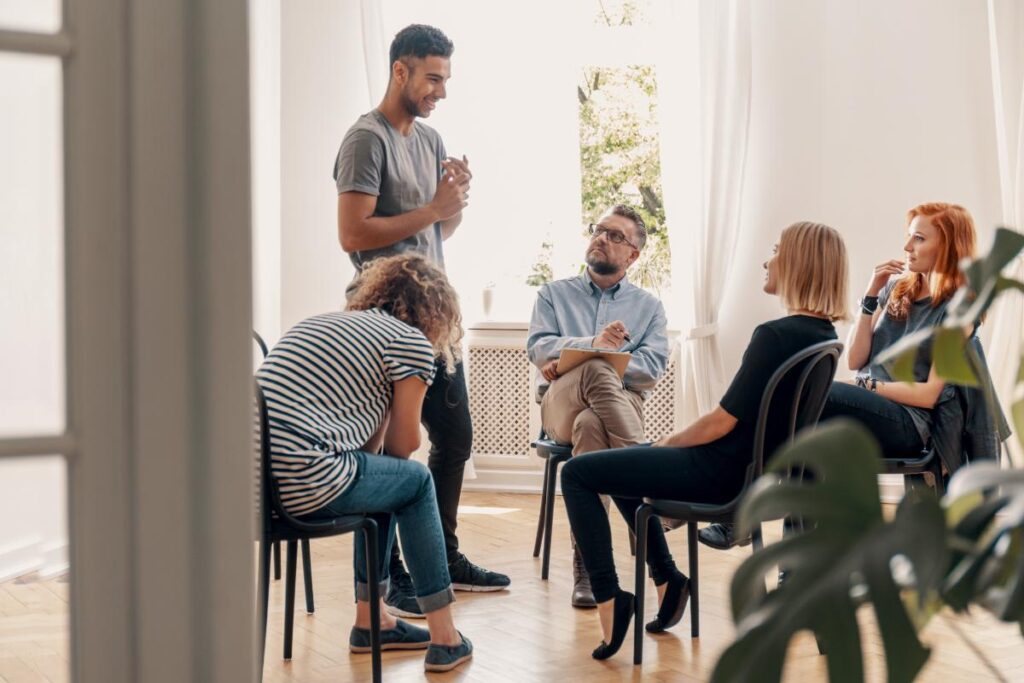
(569, 313)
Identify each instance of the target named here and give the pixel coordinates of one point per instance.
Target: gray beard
(601, 267)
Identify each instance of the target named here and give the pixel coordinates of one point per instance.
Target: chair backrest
(260, 343)
(813, 369)
(270, 494)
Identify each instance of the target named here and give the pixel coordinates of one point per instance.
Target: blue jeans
(402, 491)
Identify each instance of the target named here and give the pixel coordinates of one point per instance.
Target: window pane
(41, 16)
(33, 569)
(31, 258)
(620, 159)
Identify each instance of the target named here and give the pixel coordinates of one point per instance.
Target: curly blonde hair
(416, 292)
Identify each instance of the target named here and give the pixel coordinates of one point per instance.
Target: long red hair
(957, 234)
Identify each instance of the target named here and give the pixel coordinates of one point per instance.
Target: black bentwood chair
(278, 525)
(554, 454)
(813, 370)
(307, 566)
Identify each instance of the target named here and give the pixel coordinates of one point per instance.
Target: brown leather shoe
(582, 595)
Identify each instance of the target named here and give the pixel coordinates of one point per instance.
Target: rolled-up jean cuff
(363, 590)
(435, 601)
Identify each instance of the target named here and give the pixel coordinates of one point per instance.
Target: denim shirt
(569, 313)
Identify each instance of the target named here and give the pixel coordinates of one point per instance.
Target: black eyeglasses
(613, 236)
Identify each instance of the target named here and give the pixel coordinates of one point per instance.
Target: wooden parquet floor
(528, 633)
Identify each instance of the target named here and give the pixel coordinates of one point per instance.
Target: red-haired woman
(903, 297)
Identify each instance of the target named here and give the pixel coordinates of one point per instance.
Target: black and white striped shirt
(328, 384)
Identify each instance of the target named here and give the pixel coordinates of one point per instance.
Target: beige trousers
(589, 408)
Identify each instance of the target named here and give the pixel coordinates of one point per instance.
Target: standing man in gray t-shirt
(398, 191)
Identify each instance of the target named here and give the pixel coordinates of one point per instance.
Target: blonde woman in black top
(705, 462)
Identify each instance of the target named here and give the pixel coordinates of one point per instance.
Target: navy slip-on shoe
(447, 657)
(403, 637)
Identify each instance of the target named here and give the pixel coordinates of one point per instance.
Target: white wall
(860, 111)
(323, 91)
(265, 135)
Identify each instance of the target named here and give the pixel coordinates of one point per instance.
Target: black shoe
(721, 536)
(466, 576)
(673, 604)
(401, 598)
(625, 605)
(582, 593)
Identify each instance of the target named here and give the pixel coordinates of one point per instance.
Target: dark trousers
(628, 475)
(888, 421)
(450, 430)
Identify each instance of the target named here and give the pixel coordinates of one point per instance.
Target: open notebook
(570, 358)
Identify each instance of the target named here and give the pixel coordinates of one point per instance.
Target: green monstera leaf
(849, 555)
(986, 506)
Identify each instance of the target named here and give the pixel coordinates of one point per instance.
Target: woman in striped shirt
(339, 387)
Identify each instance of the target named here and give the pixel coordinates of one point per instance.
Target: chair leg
(307, 576)
(263, 584)
(277, 560)
(549, 514)
(757, 538)
(289, 595)
(543, 510)
(643, 516)
(373, 578)
(632, 543)
(940, 485)
(691, 541)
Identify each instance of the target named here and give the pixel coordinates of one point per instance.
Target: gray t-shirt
(888, 331)
(401, 171)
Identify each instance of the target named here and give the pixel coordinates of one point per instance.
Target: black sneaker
(721, 536)
(401, 598)
(466, 576)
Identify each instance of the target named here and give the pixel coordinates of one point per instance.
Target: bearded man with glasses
(590, 406)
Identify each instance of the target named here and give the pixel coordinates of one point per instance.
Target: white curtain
(704, 96)
(1006, 49)
(376, 46)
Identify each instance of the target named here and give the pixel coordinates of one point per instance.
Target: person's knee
(420, 475)
(597, 371)
(454, 442)
(569, 474)
(587, 428)
(574, 474)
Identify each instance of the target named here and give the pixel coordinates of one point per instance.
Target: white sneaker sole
(473, 588)
(399, 612)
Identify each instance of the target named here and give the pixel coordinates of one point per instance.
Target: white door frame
(158, 318)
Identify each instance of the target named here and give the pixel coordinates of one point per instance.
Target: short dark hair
(420, 40)
(632, 214)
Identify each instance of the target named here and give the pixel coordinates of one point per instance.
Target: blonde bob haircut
(416, 292)
(812, 270)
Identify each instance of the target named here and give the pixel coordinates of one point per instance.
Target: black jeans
(628, 475)
(888, 421)
(450, 430)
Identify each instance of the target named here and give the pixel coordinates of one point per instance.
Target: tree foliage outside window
(619, 157)
(619, 150)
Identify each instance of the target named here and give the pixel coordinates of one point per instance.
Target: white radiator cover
(506, 418)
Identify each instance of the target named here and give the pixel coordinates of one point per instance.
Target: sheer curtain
(1006, 49)
(704, 95)
(376, 45)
